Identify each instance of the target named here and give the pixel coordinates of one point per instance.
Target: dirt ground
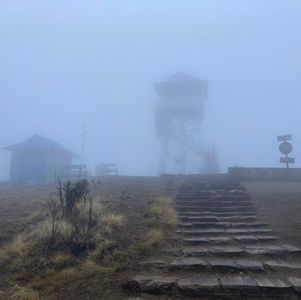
(20, 208)
(279, 205)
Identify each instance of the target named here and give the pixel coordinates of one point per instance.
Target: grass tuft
(152, 239)
(112, 221)
(24, 293)
(161, 213)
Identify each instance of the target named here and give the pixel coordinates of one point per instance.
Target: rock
(153, 263)
(189, 263)
(223, 265)
(272, 250)
(296, 283)
(207, 240)
(201, 251)
(199, 286)
(272, 284)
(239, 283)
(249, 265)
(151, 284)
(280, 265)
(249, 230)
(246, 238)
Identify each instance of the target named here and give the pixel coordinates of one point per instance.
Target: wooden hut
(38, 160)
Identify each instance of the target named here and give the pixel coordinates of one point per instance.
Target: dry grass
(17, 248)
(161, 213)
(91, 268)
(102, 249)
(63, 261)
(4, 257)
(56, 271)
(24, 293)
(152, 239)
(55, 280)
(112, 221)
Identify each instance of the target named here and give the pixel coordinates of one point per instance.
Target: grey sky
(65, 63)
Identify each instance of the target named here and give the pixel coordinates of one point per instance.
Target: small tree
(70, 194)
(73, 204)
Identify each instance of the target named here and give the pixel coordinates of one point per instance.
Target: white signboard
(283, 138)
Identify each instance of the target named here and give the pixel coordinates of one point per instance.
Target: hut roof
(39, 142)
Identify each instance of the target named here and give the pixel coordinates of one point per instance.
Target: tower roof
(39, 142)
(180, 76)
(181, 85)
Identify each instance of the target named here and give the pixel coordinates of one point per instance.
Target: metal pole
(83, 137)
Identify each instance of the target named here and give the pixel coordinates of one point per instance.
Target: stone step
(281, 265)
(221, 240)
(183, 208)
(220, 265)
(267, 250)
(217, 265)
(218, 287)
(222, 225)
(218, 231)
(213, 198)
(216, 214)
(203, 203)
(255, 238)
(218, 219)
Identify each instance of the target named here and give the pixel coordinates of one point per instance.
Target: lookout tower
(179, 114)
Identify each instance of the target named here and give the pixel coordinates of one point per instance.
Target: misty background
(68, 63)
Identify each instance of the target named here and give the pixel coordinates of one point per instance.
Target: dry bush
(161, 213)
(151, 240)
(112, 221)
(24, 293)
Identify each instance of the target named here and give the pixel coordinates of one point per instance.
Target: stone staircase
(225, 252)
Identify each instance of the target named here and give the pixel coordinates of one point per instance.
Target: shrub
(161, 213)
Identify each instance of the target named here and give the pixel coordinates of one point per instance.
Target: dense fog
(68, 63)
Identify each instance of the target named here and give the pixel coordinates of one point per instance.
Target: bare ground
(279, 205)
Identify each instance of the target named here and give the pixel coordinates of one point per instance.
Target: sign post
(286, 148)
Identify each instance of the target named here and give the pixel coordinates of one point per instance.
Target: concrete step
(247, 225)
(218, 287)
